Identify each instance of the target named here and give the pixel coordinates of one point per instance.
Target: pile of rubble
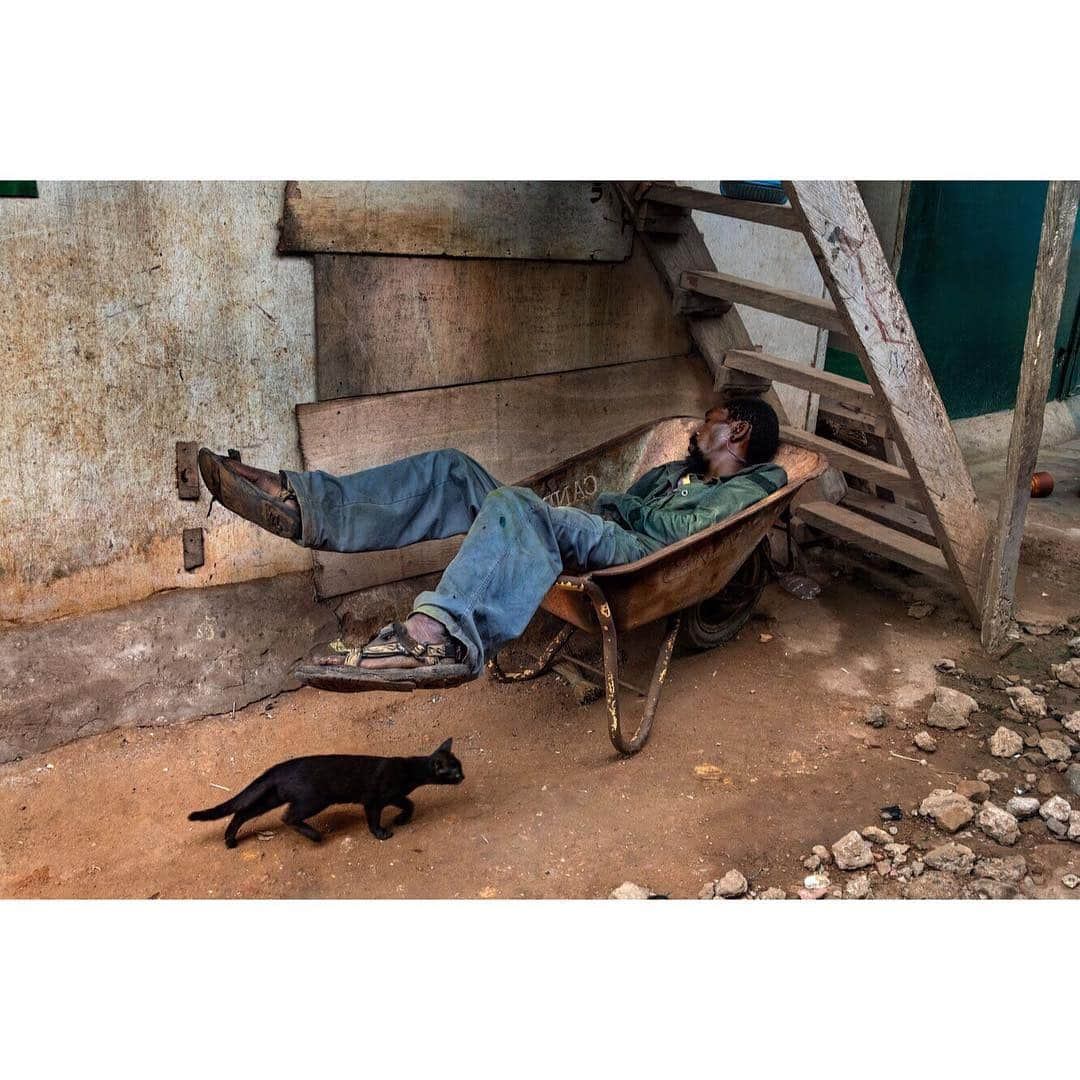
(1030, 736)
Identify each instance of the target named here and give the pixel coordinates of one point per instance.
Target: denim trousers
(515, 546)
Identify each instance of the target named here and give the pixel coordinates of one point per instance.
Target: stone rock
(1072, 722)
(1054, 749)
(1070, 881)
(773, 893)
(858, 887)
(1035, 759)
(989, 776)
(731, 885)
(1072, 778)
(978, 791)
(917, 867)
(1045, 785)
(999, 682)
(1073, 645)
(1006, 743)
(1022, 807)
(920, 610)
(951, 709)
(897, 852)
(629, 891)
(925, 742)
(985, 889)
(1074, 826)
(998, 824)
(949, 810)
(952, 857)
(1058, 828)
(823, 853)
(1010, 868)
(876, 835)
(814, 863)
(944, 664)
(1025, 702)
(1031, 739)
(883, 867)
(876, 716)
(932, 885)
(1055, 809)
(852, 852)
(1067, 673)
(1012, 716)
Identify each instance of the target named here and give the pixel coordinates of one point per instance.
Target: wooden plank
(851, 461)
(713, 335)
(864, 290)
(895, 515)
(791, 305)
(514, 427)
(837, 415)
(496, 219)
(1051, 268)
(385, 325)
(780, 217)
(836, 521)
(776, 368)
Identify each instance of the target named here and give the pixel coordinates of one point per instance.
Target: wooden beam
(780, 217)
(851, 461)
(1059, 221)
(857, 273)
(906, 550)
(784, 302)
(837, 414)
(713, 335)
(849, 391)
(895, 515)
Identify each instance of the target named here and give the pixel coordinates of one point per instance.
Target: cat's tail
(239, 801)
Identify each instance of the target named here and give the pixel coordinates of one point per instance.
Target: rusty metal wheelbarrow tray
(661, 585)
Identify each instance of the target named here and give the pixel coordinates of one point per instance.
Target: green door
(965, 274)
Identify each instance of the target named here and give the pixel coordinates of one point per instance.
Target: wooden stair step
(835, 387)
(894, 515)
(872, 535)
(780, 217)
(851, 461)
(814, 310)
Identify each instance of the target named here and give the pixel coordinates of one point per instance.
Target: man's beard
(695, 461)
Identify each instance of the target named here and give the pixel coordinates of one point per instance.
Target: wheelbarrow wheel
(721, 617)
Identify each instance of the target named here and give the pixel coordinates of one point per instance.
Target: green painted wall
(965, 274)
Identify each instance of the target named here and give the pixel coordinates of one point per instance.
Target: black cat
(311, 784)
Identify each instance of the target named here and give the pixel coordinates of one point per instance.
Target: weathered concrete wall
(176, 655)
(133, 315)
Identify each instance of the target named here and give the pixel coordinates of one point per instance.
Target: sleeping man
(516, 544)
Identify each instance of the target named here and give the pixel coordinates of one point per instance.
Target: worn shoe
(281, 516)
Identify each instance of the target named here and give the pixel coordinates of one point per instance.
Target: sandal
(241, 496)
(442, 665)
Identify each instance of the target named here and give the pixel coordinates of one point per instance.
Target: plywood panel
(514, 427)
(577, 219)
(386, 324)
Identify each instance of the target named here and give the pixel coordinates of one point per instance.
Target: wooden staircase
(923, 514)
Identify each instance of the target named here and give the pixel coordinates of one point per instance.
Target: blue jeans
(516, 545)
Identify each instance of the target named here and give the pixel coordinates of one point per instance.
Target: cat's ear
(445, 746)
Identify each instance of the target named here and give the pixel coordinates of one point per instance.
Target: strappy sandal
(241, 496)
(442, 665)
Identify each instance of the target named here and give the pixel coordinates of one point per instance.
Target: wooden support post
(1047, 292)
(861, 284)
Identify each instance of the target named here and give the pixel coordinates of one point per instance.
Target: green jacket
(661, 510)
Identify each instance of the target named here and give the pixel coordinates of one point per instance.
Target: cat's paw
(231, 841)
(382, 834)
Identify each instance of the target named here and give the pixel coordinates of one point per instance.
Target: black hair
(764, 427)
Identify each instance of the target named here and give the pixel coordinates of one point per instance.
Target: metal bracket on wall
(187, 470)
(193, 549)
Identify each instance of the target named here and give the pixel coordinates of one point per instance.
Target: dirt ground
(547, 809)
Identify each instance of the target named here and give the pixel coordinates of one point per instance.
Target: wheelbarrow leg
(546, 659)
(619, 739)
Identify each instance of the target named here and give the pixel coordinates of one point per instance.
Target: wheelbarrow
(711, 580)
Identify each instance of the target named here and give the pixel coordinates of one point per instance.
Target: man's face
(714, 433)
